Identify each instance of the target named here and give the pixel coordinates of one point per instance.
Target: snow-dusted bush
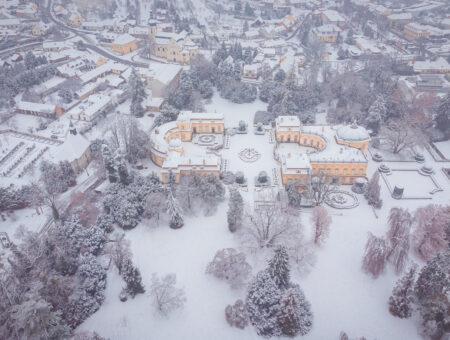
(236, 315)
(230, 265)
(402, 298)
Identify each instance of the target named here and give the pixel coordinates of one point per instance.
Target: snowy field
(341, 295)
(413, 182)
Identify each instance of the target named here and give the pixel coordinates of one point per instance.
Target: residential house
(327, 33)
(39, 109)
(124, 44)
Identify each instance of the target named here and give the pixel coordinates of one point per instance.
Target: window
(353, 171)
(328, 171)
(336, 171)
(200, 129)
(360, 171)
(345, 171)
(173, 52)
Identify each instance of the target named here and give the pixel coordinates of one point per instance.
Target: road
(88, 43)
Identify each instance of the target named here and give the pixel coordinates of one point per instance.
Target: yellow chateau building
(167, 149)
(337, 152)
(173, 47)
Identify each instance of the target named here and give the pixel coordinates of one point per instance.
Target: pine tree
(235, 210)
(372, 193)
(174, 211)
(137, 90)
(432, 290)
(279, 267)
(109, 163)
(294, 197)
(132, 278)
(122, 170)
(376, 114)
(262, 303)
(295, 316)
(402, 298)
(288, 316)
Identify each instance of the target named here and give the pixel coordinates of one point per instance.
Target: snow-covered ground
(341, 295)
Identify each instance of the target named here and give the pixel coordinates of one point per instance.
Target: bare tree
(398, 237)
(230, 265)
(155, 206)
(431, 229)
(320, 186)
(45, 195)
(400, 134)
(321, 221)
(303, 257)
(166, 297)
(270, 226)
(374, 260)
(119, 251)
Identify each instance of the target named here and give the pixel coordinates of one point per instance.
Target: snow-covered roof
(164, 73)
(333, 15)
(438, 64)
(287, 123)
(9, 22)
(177, 163)
(352, 133)
(36, 107)
(295, 163)
(124, 39)
(400, 16)
(72, 149)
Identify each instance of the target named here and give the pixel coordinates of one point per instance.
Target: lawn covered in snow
(343, 298)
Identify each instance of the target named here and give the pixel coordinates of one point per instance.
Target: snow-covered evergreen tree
(402, 298)
(372, 193)
(294, 197)
(295, 316)
(235, 210)
(262, 303)
(122, 170)
(432, 291)
(110, 165)
(376, 114)
(138, 95)
(279, 267)
(174, 211)
(132, 278)
(34, 318)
